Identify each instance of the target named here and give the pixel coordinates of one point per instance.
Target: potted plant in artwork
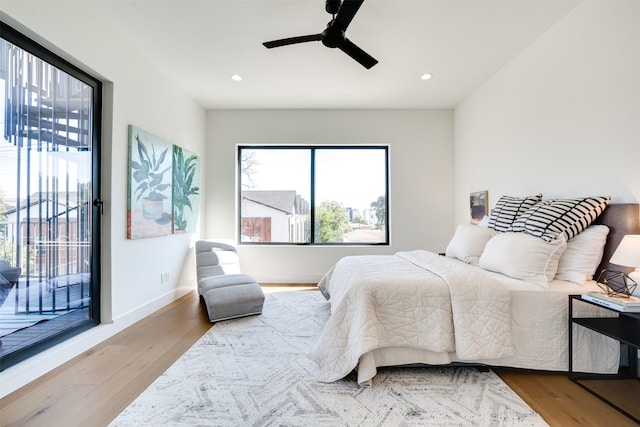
(184, 174)
(150, 178)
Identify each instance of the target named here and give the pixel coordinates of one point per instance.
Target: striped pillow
(550, 218)
(509, 208)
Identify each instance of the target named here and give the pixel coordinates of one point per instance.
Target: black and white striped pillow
(509, 208)
(550, 218)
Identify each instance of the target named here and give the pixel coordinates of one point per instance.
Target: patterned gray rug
(259, 371)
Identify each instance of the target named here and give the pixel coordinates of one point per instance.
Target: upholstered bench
(226, 292)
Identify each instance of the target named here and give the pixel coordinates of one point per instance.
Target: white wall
(279, 226)
(136, 93)
(563, 118)
(421, 185)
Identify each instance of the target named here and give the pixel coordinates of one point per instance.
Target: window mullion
(312, 202)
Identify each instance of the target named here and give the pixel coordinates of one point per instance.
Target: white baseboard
(19, 375)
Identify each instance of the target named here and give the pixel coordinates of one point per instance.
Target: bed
(497, 297)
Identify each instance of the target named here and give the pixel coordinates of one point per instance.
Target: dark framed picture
(479, 206)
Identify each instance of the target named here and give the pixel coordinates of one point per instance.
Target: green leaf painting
(163, 192)
(186, 190)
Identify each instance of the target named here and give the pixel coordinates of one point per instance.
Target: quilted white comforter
(435, 310)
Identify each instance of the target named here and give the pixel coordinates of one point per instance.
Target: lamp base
(635, 276)
(617, 283)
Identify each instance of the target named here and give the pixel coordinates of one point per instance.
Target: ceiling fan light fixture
(426, 76)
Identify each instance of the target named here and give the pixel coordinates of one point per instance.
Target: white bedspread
(418, 307)
(447, 307)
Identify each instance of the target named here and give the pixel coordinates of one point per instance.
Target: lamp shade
(628, 252)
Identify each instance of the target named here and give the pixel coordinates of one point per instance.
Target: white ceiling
(201, 43)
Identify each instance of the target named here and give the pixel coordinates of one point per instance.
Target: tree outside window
(313, 194)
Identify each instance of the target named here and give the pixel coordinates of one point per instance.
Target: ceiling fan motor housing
(333, 36)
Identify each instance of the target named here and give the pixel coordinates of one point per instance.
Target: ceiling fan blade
(293, 40)
(346, 13)
(358, 54)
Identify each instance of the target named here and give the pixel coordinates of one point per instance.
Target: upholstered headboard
(621, 218)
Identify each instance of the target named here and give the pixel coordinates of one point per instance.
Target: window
(49, 218)
(313, 194)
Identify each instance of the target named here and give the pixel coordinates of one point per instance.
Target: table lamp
(627, 254)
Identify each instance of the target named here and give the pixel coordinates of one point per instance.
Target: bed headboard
(621, 218)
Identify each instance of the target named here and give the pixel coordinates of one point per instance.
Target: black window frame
(313, 149)
(26, 43)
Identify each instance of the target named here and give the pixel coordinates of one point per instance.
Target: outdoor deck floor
(47, 313)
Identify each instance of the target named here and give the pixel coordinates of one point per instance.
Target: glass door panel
(46, 201)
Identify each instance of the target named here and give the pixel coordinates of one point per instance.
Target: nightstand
(621, 390)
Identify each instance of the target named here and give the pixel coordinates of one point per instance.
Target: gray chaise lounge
(226, 292)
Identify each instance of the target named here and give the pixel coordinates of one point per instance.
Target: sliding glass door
(49, 204)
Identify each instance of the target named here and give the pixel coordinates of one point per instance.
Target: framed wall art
(479, 206)
(149, 185)
(186, 190)
(163, 192)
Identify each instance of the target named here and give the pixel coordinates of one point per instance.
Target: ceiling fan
(334, 35)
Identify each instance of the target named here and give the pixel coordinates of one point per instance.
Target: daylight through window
(313, 194)
(49, 158)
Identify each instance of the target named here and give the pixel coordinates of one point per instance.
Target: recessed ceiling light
(236, 77)
(426, 76)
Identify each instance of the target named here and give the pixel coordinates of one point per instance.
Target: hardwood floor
(561, 402)
(93, 388)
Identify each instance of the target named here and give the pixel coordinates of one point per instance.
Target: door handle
(99, 203)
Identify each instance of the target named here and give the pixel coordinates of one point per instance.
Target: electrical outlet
(164, 277)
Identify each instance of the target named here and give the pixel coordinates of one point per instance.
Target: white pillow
(523, 256)
(583, 254)
(468, 242)
(484, 222)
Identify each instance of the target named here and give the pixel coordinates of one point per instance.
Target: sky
(354, 178)
(7, 175)
(7, 156)
(64, 165)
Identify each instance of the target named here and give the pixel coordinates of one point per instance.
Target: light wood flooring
(93, 388)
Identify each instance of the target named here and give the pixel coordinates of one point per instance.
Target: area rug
(259, 371)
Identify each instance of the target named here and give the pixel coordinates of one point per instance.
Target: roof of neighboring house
(42, 198)
(286, 201)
